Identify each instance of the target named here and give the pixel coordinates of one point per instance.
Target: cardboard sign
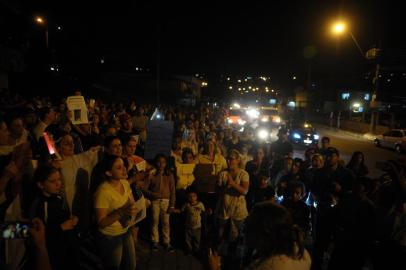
(206, 180)
(77, 107)
(159, 138)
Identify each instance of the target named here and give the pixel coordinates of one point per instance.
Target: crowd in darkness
(90, 200)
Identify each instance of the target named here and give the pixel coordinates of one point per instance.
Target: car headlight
(229, 121)
(263, 134)
(316, 136)
(265, 119)
(296, 135)
(276, 119)
(241, 122)
(253, 113)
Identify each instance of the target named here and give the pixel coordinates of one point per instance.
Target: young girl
(160, 189)
(115, 211)
(49, 206)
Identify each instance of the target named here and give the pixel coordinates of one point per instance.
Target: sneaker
(169, 248)
(154, 247)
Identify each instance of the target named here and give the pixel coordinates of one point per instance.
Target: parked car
(394, 138)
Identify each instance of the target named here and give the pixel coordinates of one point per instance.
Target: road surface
(347, 143)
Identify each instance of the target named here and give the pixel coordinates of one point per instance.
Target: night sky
(252, 38)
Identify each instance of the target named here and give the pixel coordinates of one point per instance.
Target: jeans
(192, 239)
(160, 212)
(117, 252)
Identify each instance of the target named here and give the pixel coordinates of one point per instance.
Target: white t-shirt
(232, 204)
(70, 167)
(193, 215)
(107, 197)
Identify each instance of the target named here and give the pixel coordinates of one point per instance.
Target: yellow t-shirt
(107, 197)
(185, 175)
(219, 162)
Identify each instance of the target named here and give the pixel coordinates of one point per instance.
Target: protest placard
(159, 138)
(77, 107)
(206, 180)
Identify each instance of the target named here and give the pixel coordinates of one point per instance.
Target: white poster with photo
(78, 110)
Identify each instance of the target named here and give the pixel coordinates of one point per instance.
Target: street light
(42, 21)
(39, 20)
(340, 28)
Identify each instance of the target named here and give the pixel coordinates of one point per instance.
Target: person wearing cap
(231, 209)
(282, 147)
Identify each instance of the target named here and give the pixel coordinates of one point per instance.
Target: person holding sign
(211, 156)
(231, 208)
(115, 213)
(184, 175)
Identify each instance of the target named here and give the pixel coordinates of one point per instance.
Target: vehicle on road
(394, 139)
(237, 117)
(303, 133)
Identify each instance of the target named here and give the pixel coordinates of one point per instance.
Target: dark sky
(254, 37)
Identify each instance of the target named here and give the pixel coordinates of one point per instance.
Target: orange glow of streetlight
(39, 20)
(339, 28)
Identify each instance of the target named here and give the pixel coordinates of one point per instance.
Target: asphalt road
(347, 143)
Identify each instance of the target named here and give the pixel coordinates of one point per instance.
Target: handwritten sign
(78, 109)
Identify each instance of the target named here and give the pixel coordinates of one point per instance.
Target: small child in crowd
(296, 206)
(264, 192)
(193, 209)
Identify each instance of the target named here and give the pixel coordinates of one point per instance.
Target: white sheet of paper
(140, 204)
(77, 107)
(141, 166)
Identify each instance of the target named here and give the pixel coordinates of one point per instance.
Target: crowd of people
(264, 210)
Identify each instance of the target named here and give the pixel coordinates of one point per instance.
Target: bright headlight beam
(263, 134)
(296, 136)
(253, 113)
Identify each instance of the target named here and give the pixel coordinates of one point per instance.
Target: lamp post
(340, 28)
(41, 21)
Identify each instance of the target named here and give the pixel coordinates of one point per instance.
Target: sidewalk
(365, 136)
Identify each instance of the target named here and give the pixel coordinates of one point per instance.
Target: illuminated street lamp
(42, 21)
(340, 28)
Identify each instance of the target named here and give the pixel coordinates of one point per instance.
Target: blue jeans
(117, 252)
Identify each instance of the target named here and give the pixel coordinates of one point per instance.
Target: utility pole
(158, 64)
(373, 54)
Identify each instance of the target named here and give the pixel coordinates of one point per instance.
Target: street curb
(365, 136)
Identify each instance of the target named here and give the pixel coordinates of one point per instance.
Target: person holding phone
(115, 212)
(49, 206)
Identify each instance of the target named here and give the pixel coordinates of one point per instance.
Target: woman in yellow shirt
(115, 213)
